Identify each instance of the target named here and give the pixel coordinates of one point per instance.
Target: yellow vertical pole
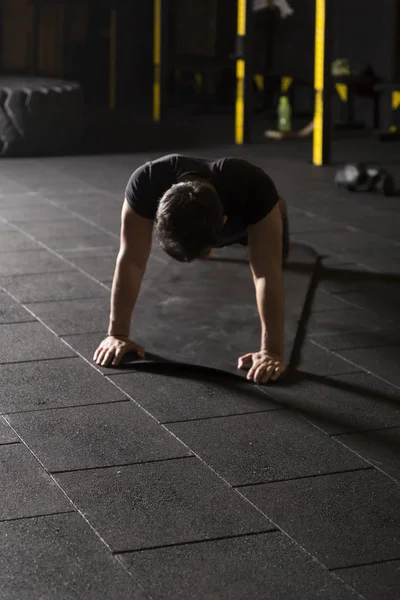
(240, 75)
(157, 61)
(319, 81)
(113, 60)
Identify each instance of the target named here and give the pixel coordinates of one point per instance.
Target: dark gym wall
(364, 33)
(140, 61)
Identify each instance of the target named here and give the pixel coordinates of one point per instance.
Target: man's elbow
(129, 261)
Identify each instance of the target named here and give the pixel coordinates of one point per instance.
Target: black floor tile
(324, 301)
(26, 490)
(23, 200)
(349, 320)
(11, 311)
(74, 316)
(385, 225)
(54, 286)
(351, 402)
(14, 241)
(381, 448)
(169, 397)
(95, 436)
(264, 447)
(338, 278)
(98, 263)
(30, 341)
(361, 339)
(8, 187)
(82, 242)
(304, 223)
(383, 361)
(163, 503)
(59, 556)
(340, 242)
(32, 213)
(374, 582)
(384, 300)
(318, 361)
(111, 220)
(258, 566)
(387, 261)
(7, 435)
(29, 263)
(5, 226)
(61, 228)
(53, 384)
(343, 520)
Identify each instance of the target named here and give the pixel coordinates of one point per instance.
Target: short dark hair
(189, 219)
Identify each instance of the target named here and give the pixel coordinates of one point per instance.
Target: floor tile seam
(362, 431)
(365, 564)
(22, 362)
(297, 544)
(234, 536)
(60, 337)
(316, 332)
(365, 370)
(74, 508)
(50, 476)
(86, 249)
(368, 467)
(350, 228)
(51, 472)
(117, 465)
(58, 171)
(258, 509)
(350, 362)
(225, 416)
(38, 516)
(356, 347)
(58, 408)
(48, 273)
(18, 322)
(64, 260)
(370, 462)
(73, 299)
(15, 250)
(68, 212)
(9, 443)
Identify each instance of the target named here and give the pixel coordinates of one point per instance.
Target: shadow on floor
(159, 365)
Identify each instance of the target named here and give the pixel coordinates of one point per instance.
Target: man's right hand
(112, 349)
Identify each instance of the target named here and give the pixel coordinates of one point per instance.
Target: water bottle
(284, 115)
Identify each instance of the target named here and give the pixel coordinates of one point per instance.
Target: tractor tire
(40, 117)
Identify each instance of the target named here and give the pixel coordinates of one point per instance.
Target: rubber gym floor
(173, 477)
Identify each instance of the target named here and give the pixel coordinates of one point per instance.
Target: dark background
(73, 42)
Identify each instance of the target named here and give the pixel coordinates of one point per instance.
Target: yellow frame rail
(240, 75)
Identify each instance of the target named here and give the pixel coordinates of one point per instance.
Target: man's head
(189, 219)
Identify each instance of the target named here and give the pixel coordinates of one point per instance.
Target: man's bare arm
(135, 247)
(265, 255)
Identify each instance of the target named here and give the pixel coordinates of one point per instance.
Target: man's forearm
(125, 291)
(270, 303)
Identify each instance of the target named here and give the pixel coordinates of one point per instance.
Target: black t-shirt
(246, 192)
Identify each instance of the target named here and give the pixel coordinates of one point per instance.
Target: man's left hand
(262, 366)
